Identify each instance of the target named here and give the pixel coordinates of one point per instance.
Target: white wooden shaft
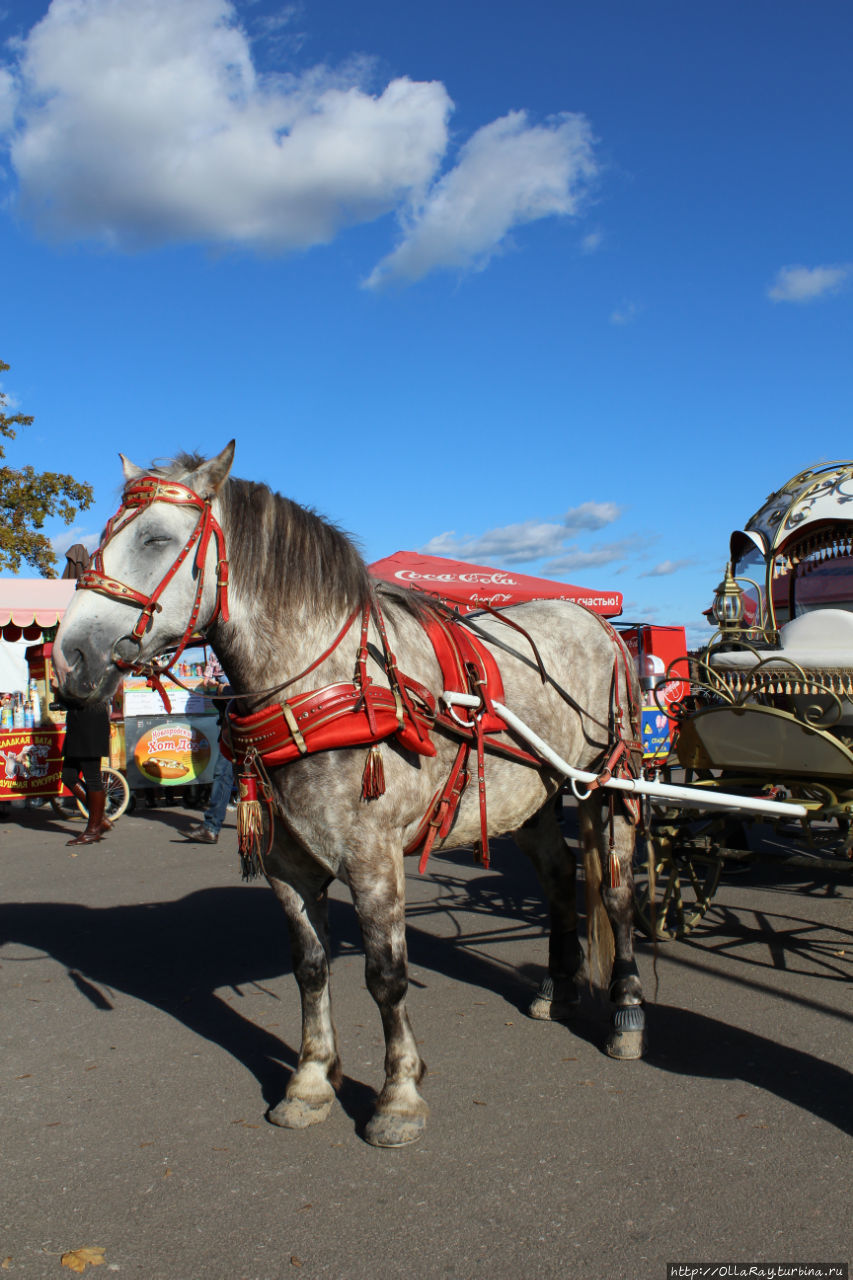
(687, 797)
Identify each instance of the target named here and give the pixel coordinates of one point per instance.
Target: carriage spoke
(686, 879)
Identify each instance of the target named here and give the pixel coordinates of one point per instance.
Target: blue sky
(559, 286)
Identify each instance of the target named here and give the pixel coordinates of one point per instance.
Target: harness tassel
(249, 825)
(373, 778)
(615, 873)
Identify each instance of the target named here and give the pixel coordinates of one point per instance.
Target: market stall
(150, 748)
(30, 609)
(31, 735)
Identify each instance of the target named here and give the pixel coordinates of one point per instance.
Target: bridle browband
(138, 497)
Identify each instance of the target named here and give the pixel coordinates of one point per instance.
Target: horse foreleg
(311, 1089)
(542, 841)
(378, 892)
(608, 852)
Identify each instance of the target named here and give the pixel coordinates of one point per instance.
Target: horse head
(158, 577)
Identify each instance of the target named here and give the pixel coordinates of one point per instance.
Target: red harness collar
(138, 496)
(360, 713)
(363, 714)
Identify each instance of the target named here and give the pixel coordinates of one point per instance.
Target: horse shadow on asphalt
(179, 956)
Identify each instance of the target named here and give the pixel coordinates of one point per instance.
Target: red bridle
(138, 497)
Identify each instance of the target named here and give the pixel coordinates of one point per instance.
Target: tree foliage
(27, 498)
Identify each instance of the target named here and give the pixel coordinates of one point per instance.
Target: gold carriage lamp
(728, 603)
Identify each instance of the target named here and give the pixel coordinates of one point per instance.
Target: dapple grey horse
(293, 580)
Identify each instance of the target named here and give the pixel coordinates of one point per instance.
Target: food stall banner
(30, 762)
(474, 585)
(171, 751)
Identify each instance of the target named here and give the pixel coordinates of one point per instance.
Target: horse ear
(131, 470)
(211, 476)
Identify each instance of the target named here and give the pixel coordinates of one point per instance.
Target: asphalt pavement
(150, 1018)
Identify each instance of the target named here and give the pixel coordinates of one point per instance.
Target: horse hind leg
(556, 867)
(608, 851)
(378, 892)
(311, 1089)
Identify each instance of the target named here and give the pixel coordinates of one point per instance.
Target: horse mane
(283, 545)
(323, 562)
(318, 563)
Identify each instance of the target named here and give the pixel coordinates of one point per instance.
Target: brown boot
(97, 826)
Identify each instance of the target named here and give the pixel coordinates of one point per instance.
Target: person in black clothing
(87, 739)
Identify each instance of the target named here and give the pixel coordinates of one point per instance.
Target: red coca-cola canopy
(474, 585)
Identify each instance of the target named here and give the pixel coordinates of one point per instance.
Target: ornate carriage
(770, 704)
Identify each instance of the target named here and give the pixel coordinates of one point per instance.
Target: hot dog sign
(173, 754)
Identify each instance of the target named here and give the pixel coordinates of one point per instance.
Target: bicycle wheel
(118, 795)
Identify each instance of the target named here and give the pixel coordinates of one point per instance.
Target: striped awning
(28, 606)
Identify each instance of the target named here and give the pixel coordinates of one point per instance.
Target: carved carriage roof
(823, 492)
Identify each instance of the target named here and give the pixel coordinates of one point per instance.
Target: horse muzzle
(83, 675)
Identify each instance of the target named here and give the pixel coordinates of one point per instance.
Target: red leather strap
(438, 819)
(481, 789)
(94, 580)
(338, 715)
(467, 665)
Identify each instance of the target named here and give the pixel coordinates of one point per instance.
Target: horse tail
(601, 945)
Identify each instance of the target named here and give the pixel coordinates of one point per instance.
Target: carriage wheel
(118, 795)
(685, 880)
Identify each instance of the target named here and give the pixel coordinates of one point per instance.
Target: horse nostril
(61, 665)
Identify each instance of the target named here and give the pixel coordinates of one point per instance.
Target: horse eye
(158, 540)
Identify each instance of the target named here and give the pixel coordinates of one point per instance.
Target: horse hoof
(293, 1113)
(627, 1039)
(554, 1001)
(393, 1130)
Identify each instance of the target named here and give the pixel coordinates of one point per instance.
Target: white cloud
(524, 542)
(7, 100)
(9, 403)
(574, 558)
(67, 538)
(511, 544)
(592, 242)
(667, 567)
(804, 284)
(626, 313)
(144, 122)
(508, 173)
(590, 515)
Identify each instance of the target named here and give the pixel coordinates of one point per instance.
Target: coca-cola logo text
(496, 579)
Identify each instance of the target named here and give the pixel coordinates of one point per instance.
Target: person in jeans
(207, 831)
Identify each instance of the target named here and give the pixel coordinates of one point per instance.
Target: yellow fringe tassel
(250, 827)
(615, 873)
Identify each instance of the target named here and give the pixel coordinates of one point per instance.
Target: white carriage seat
(818, 641)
